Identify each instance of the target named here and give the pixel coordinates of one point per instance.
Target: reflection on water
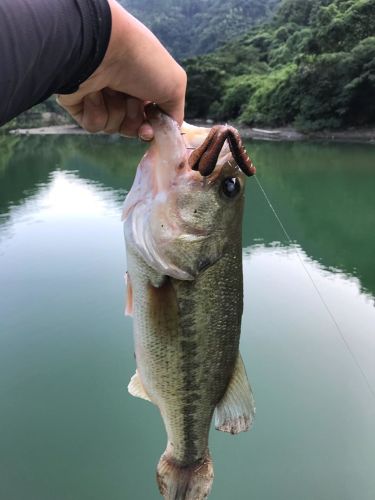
(68, 429)
(324, 194)
(64, 195)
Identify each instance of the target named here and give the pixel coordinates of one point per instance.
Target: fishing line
(325, 305)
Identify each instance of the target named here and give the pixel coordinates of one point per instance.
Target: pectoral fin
(136, 388)
(235, 412)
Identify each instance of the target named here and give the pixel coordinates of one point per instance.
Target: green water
(68, 428)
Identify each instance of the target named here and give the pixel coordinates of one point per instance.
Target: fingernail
(146, 133)
(146, 136)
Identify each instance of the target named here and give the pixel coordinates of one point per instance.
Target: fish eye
(231, 187)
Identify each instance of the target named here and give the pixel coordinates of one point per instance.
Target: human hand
(136, 69)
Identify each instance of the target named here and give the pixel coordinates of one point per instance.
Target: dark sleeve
(47, 47)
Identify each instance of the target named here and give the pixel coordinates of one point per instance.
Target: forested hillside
(191, 27)
(312, 66)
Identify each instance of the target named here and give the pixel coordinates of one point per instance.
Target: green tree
(312, 66)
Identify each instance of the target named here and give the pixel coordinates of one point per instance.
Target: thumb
(174, 106)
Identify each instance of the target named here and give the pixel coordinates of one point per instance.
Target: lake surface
(68, 428)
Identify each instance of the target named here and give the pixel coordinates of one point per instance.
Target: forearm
(48, 46)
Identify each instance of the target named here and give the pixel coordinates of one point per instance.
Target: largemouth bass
(183, 224)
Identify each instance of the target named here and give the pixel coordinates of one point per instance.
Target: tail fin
(191, 482)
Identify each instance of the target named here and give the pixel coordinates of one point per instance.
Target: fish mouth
(152, 111)
(204, 158)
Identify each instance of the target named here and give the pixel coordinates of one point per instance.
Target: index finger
(75, 109)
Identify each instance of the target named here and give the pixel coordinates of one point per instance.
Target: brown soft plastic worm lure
(204, 158)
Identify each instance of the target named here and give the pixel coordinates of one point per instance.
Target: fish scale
(180, 364)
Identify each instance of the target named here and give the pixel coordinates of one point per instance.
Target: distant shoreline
(270, 134)
(50, 130)
(366, 135)
(290, 134)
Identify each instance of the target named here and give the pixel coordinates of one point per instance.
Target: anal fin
(136, 388)
(236, 410)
